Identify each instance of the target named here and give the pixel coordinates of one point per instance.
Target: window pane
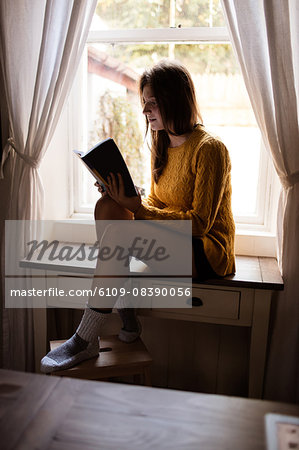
(120, 14)
(114, 110)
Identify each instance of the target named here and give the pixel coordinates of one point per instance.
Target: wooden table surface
(38, 411)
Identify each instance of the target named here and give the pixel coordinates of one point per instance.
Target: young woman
(190, 181)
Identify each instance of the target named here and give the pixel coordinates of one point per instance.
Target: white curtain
(41, 42)
(265, 35)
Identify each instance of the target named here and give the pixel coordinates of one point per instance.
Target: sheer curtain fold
(266, 40)
(41, 43)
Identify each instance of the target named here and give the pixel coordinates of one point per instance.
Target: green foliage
(116, 118)
(199, 13)
(207, 58)
(199, 58)
(156, 13)
(134, 14)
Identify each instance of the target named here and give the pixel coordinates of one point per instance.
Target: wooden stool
(116, 359)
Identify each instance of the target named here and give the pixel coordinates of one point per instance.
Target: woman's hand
(100, 188)
(116, 190)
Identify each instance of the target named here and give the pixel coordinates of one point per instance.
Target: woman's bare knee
(107, 209)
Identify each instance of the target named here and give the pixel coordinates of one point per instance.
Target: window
(126, 37)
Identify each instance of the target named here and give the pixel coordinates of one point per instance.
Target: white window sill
(80, 228)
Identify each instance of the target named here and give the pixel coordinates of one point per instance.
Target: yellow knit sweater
(196, 185)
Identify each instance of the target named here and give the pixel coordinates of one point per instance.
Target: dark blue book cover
(105, 157)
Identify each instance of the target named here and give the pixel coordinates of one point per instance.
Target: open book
(103, 158)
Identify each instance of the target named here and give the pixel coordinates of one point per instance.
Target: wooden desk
(243, 300)
(41, 412)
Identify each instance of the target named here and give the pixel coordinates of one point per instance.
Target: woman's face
(151, 109)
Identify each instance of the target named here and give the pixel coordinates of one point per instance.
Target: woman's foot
(130, 336)
(68, 354)
(84, 344)
(131, 329)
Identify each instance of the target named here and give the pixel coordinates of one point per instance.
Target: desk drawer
(214, 303)
(74, 290)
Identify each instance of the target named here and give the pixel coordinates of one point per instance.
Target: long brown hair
(175, 95)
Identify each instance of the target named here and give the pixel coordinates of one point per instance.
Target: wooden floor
(41, 412)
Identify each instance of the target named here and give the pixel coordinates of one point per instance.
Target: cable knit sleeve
(152, 199)
(211, 168)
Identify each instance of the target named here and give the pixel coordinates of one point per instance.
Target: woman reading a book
(190, 181)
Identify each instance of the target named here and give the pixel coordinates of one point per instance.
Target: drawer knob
(194, 301)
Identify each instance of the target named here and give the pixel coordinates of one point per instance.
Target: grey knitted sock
(81, 346)
(131, 328)
(129, 319)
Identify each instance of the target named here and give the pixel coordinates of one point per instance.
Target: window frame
(160, 35)
(268, 190)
